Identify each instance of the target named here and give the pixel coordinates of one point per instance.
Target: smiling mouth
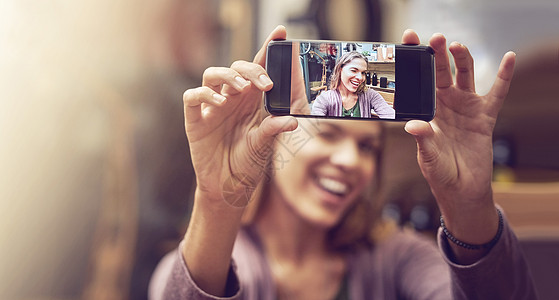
(333, 186)
(355, 83)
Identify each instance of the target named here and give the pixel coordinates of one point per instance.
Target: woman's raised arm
(229, 145)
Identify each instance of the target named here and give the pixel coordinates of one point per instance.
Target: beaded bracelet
(488, 245)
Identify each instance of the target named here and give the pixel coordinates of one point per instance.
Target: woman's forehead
(357, 63)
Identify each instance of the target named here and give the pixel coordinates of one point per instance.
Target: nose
(346, 155)
(359, 76)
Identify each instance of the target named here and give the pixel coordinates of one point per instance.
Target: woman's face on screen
(353, 74)
(323, 166)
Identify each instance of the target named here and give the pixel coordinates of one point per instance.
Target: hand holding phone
(455, 149)
(332, 79)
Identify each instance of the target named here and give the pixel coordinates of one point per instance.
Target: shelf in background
(532, 208)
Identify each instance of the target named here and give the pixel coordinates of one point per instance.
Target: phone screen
(335, 79)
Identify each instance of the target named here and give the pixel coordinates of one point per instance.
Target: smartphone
(364, 80)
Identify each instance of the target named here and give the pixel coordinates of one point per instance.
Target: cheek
(371, 169)
(368, 172)
(289, 160)
(343, 74)
(282, 164)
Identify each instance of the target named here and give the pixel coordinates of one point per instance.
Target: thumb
(271, 126)
(278, 33)
(424, 136)
(261, 146)
(266, 133)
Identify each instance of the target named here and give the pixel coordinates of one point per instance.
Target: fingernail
(241, 82)
(458, 44)
(218, 98)
(264, 80)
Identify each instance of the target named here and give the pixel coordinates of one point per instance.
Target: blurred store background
(95, 178)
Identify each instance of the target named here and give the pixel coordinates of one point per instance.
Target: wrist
(209, 241)
(473, 226)
(217, 203)
(487, 246)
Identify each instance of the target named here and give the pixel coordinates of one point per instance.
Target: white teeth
(333, 186)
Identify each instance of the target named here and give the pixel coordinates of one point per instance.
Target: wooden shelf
(531, 208)
(380, 89)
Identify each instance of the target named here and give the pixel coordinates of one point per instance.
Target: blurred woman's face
(323, 166)
(353, 74)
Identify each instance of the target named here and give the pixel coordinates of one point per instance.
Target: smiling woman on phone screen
(348, 95)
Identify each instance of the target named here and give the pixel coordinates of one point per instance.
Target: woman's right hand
(230, 146)
(229, 142)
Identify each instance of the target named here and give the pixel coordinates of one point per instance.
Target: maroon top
(405, 266)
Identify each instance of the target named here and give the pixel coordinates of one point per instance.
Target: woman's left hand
(455, 149)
